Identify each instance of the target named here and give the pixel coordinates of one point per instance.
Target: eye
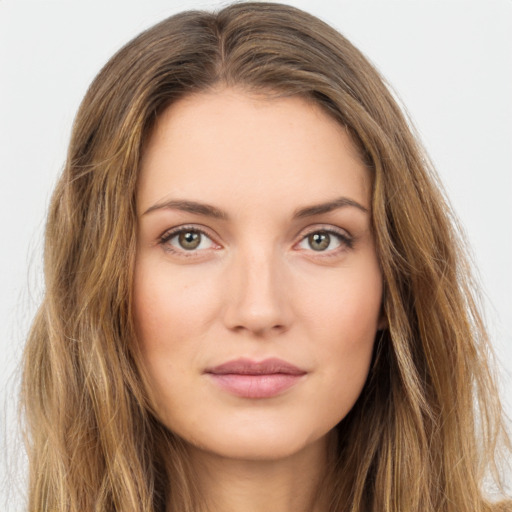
(187, 239)
(324, 240)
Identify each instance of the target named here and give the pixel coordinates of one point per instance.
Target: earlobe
(383, 323)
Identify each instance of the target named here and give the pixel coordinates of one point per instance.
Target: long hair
(425, 432)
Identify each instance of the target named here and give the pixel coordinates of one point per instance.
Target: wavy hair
(425, 432)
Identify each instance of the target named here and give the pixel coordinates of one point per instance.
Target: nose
(256, 294)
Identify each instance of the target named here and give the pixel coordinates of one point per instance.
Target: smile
(250, 379)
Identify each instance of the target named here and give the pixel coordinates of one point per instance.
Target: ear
(383, 320)
(383, 324)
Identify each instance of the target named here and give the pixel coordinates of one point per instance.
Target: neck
(288, 484)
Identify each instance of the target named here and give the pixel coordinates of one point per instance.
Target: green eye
(326, 240)
(319, 241)
(189, 240)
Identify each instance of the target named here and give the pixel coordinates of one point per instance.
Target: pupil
(319, 241)
(189, 240)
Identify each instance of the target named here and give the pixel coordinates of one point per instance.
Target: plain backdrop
(450, 63)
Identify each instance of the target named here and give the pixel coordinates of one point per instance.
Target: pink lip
(252, 379)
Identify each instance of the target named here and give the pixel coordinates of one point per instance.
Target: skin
(255, 287)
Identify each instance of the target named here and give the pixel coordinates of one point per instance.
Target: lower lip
(255, 386)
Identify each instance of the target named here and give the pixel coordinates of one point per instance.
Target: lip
(255, 379)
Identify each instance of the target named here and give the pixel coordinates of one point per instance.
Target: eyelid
(170, 233)
(328, 228)
(346, 239)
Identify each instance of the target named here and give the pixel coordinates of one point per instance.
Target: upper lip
(245, 366)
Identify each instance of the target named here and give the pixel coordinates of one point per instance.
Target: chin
(260, 442)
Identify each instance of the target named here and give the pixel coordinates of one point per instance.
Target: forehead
(228, 145)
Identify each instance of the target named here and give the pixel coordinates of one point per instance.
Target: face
(257, 290)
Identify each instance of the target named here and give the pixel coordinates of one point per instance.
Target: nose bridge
(256, 295)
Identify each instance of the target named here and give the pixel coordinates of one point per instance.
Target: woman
(256, 298)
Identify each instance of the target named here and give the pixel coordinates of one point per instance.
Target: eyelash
(346, 241)
(169, 235)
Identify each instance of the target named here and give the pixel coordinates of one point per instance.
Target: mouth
(256, 379)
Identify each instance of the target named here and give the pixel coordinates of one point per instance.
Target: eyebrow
(211, 211)
(318, 209)
(190, 207)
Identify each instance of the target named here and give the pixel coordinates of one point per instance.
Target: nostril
(262, 330)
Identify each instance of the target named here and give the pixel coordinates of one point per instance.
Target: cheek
(171, 315)
(344, 319)
(169, 305)
(344, 306)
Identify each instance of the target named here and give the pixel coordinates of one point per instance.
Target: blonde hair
(426, 429)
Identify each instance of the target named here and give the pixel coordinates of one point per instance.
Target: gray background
(449, 61)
